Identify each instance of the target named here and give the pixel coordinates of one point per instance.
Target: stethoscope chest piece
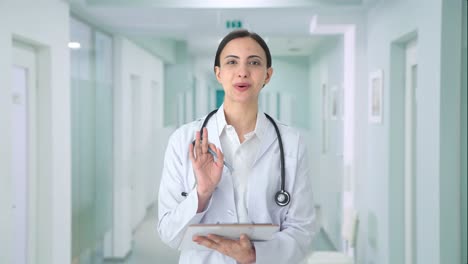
(282, 198)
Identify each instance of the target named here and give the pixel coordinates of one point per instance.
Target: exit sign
(233, 24)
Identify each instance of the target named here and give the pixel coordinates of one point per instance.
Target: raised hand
(207, 170)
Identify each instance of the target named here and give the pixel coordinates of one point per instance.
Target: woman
(196, 187)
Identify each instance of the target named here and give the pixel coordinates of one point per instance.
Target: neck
(242, 117)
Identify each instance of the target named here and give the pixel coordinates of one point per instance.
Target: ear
(268, 76)
(217, 71)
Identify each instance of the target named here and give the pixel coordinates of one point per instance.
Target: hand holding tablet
(255, 232)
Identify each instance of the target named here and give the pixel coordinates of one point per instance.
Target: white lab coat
(296, 220)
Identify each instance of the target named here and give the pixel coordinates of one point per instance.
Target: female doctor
(243, 183)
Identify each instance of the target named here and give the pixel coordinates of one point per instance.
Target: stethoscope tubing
(282, 197)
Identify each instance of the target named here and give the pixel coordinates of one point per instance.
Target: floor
(147, 246)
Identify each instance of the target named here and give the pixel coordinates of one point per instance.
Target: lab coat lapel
(268, 139)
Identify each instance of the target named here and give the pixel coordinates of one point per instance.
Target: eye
(231, 62)
(254, 63)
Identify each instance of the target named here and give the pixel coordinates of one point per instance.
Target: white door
(23, 91)
(411, 73)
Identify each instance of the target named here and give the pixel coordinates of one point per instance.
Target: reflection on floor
(147, 246)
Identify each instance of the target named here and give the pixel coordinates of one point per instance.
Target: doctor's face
(243, 70)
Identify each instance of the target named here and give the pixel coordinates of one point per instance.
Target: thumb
(245, 241)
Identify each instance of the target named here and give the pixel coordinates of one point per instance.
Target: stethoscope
(282, 197)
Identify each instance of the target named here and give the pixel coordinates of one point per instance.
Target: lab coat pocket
(263, 186)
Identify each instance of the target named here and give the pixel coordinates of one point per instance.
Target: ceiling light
(74, 45)
(313, 24)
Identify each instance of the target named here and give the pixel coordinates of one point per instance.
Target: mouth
(242, 86)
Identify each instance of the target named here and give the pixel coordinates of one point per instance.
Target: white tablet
(256, 232)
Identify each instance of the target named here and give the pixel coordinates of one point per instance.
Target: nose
(243, 71)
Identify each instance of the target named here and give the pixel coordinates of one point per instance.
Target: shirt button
(230, 212)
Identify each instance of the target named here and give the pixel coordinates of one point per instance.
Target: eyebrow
(237, 57)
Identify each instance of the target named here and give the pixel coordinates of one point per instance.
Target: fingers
(192, 157)
(207, 241)
(242, 250)
(198, 150)
(249, 255)
(245, 241)
(204, 143)
(215, 238)
(201, 144)
(202, 148)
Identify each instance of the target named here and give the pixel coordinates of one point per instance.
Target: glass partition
(92, 137)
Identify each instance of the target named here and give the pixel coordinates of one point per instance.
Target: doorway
(24, 142)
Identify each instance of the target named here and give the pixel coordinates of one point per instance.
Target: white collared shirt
(241, 157)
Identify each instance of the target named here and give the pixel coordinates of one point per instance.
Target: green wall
(178, 79)
(290, 75)
(450, 83)
(463, 136)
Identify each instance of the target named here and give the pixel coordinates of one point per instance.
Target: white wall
(327, 67)
(135, 189)
(162, 48)
(43, 25)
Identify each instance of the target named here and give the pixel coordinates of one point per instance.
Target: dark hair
(242, 33)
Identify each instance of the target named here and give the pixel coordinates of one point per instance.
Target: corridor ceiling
(200, 24)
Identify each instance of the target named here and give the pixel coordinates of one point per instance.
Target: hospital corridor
(91, 92)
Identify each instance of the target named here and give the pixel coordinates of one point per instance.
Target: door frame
(26, 56)
(410, 150)
(396, 184)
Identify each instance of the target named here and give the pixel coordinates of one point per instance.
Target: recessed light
(74, 45)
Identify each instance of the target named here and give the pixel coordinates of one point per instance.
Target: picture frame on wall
(375, 99)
